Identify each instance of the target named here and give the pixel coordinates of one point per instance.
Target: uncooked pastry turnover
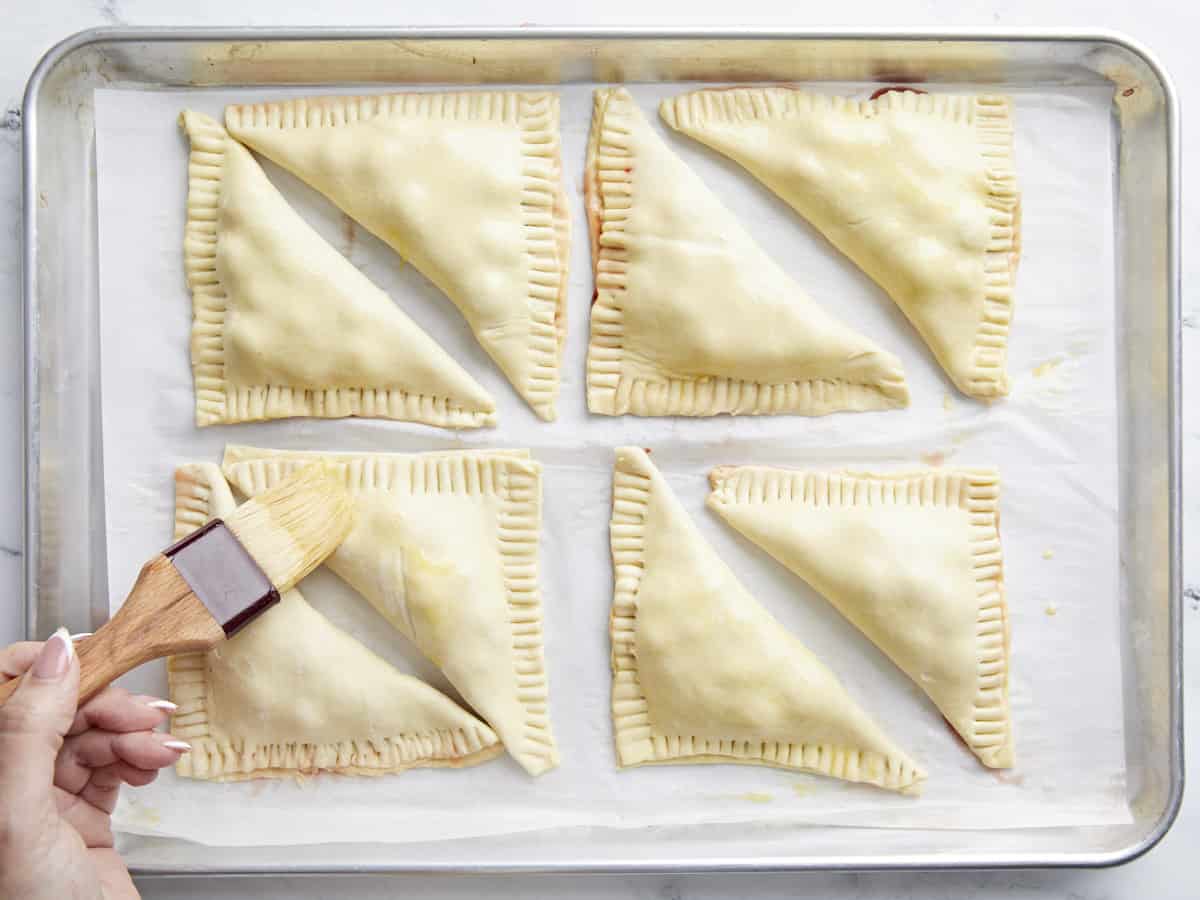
(284, 325)
(702, 673)
(691, 317)
(919, 190)
(291, 694)
(467, 186)
(913, 560)
(445, 547)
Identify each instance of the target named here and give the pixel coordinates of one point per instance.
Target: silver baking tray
(65, 577)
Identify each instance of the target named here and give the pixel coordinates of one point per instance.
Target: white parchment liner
(1054, 440)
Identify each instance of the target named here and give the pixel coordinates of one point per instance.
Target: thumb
(36, 717)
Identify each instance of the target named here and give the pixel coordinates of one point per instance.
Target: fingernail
(178, 746)
(162, 704)
(55, 656)
(81, 635)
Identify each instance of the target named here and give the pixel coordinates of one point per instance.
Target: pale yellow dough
(291, 694)
(284, 325)
(466, 186)
(919, 190)
(691, 317)
(445, 547)
(702, 673)
(913, 559)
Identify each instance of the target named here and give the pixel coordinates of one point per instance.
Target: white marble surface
(1167, 26)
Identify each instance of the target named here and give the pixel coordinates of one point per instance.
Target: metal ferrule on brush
(223, 575)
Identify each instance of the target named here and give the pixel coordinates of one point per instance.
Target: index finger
(16, 658)
(115, 709)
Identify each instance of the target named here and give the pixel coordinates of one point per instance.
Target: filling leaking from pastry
(293, 695)
(445, 547)
(691, 317)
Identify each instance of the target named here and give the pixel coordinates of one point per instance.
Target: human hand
(61, 770)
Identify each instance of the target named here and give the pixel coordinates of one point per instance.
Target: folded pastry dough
(466, 186)
(702, 673)
(690, 316)
(913, 559)
(917, 189)
(291, 694)
(284, 325)
(445, 547)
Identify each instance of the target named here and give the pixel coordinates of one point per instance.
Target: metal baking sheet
(64, 465)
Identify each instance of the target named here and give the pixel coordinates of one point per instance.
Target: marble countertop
(1168, 871)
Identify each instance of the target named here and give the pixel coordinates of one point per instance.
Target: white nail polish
(81, 635)
(55, 657)
(181, 746)
(66, 638)
(162, 704)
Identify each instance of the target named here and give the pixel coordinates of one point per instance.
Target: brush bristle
(290, 529)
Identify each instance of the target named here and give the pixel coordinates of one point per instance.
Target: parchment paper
(1054, 439)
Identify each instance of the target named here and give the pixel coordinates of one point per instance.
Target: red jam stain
(954, 731)
(1007, 777)
(595, 295)
(1128, 92)
(900, 88)
(627, 171)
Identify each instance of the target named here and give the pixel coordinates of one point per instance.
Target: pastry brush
(205, 587)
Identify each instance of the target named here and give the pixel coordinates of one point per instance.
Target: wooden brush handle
(160, 617)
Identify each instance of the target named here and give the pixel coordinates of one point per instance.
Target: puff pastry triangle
(917, 189)
(445, 547)
(465, 185)
(690, 316)
(284, 325)
(292, 694)
(702, 673)
(913, 560)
